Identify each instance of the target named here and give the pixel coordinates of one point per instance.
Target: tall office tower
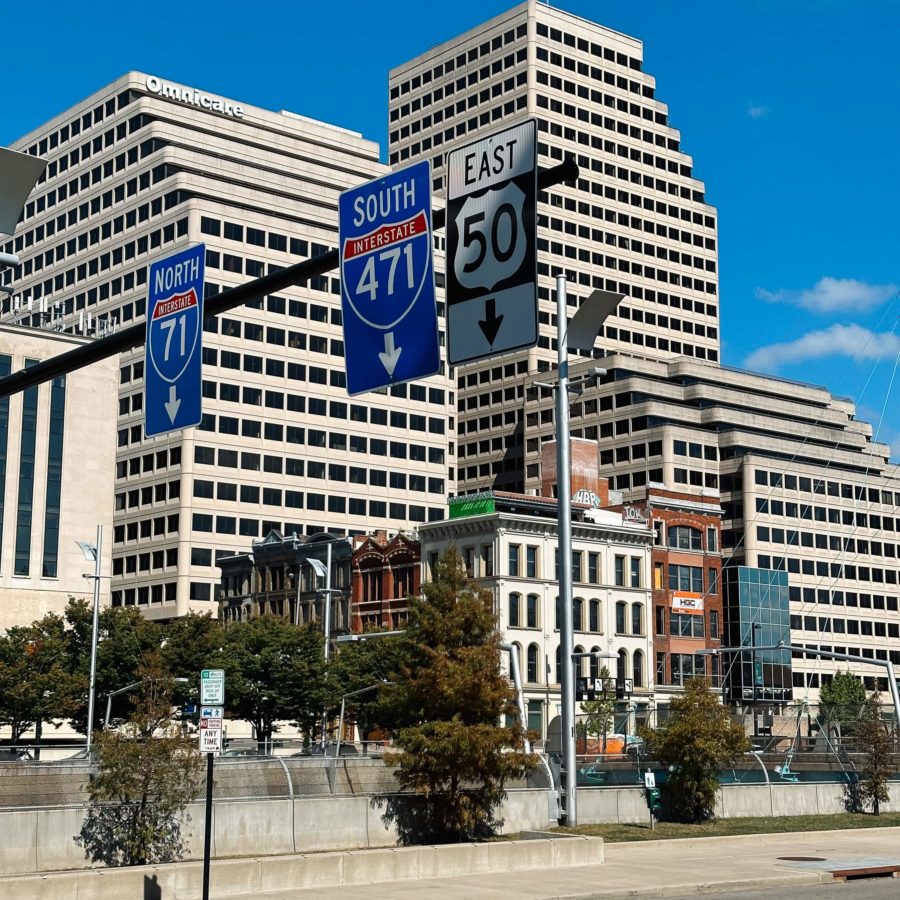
(637, 221)
(144, 168)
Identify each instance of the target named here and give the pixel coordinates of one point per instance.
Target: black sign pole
(207, 836)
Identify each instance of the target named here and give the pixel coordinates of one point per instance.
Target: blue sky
(788, 107)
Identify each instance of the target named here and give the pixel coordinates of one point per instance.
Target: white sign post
(212, 702)
(492, 245)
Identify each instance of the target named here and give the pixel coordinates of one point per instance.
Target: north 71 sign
(172, 366)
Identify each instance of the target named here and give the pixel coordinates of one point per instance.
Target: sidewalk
(651, 869)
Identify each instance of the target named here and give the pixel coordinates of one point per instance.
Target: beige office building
(637, 221)
(803, 487)
(57, 451)
(144, 168)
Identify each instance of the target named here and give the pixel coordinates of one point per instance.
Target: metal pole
(564, 511)
(753, 671)
(520, 694)
(327, 601)
(337, 749)
(94, 629)
(207, 825)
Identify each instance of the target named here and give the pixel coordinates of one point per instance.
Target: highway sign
(173, 343)
(387, 280)
(492, 245)
(212, 687)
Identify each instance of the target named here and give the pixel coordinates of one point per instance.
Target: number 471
(368, 284)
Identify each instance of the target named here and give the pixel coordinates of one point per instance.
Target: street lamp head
(89, 550)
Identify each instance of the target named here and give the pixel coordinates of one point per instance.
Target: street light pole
(753, 629)
(564, 529)
(94, 551)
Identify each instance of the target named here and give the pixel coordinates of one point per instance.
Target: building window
(637, 618)
(620, 571)
(514, 554)
(621, 615)
(54, 476)
(576, 565)
(577, 614)
(593, 568)
(636, 579)
(685, 666)
(26, 479)
(533, 664)
(712, 540)
(683, 537)
(532, 617)
(686, 625)
(657, 576)
(638, 668)
(531, 568)
(594, 616)
(686, 578)
(714, 623)
(515, 602)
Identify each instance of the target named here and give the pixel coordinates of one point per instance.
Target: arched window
(594, 616)
(638, 668)
(596, 664)
(637, 618)
(683, 537)
(534, 655)
(577, 614)
(558, 679)
(622, 665)
(579, 663)
(621, 614)
(515, 604)
(532, 614)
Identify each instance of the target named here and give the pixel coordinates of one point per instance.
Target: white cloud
(830, 295)
(757, 112)
(852, 341)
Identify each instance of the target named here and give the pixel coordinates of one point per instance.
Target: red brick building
(384, 572)
(686, 563)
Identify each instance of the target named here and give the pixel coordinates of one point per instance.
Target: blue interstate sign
(173, 345)
(387, 280)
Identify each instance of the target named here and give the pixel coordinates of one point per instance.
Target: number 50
(473, 232)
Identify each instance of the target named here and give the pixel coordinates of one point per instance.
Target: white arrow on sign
(390, 356)
(173, 404)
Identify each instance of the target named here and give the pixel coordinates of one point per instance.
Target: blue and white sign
(387, 280)
(172, 365)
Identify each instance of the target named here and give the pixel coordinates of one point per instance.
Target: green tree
(449, 696)
(274, 670)
(124, 638)
(599, 713)
(841, 703)
(696, 742)
(148, 773)
(190, 644)
(878, 742)
(36, 683)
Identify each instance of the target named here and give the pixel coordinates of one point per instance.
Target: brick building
(385, 570)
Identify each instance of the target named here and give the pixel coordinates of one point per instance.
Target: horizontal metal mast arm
(134, 335)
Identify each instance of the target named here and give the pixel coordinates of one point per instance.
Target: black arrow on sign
(491, 322)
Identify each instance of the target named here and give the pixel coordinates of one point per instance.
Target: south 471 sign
(387, 280)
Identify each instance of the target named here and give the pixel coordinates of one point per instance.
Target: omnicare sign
(193, 97)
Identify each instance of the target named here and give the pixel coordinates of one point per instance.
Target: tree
(696, 742)
(599, 713)
(190, 644)
(36, 684)
(124, 638)
(148, 773)
(841, 702)
(274, 670)
(878, 741)
(449, 696)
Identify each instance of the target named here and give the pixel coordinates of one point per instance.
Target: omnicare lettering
(193, 97)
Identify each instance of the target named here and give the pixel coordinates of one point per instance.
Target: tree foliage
(878, 742)
(447, 701)
(274, 671)
(36, 681)
(696, 742)
(841, 702)
(148, 773)
(599, 713)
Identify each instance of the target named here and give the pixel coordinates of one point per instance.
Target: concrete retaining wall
(251, 876)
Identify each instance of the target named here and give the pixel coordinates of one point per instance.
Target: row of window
(161, 492)
(537, 666)
(834, 515)
(809, 485)
(141, 596)
(867, 652)
(825, 569)
(826, 624)
(842, 598)
(837, 542)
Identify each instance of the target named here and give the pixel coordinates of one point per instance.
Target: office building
(57, 452)
(142, 169)
(803, 488)
(637, 221)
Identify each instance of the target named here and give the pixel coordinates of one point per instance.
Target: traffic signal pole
(135, 335)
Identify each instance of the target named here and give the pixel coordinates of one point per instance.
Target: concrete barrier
(249, 876)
